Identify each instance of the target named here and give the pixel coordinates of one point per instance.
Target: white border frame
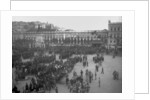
(5, 4)
(141, 26)
(127, 56)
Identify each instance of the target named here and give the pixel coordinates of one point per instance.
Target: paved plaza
(108, 85)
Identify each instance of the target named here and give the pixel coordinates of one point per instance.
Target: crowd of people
(79, 84)
(48, 71)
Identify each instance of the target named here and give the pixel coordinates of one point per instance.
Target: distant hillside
(21, 27)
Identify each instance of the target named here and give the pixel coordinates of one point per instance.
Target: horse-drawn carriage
(98, 58)
(78, 86)
(116, 75)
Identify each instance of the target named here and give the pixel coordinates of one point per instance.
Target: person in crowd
(114, 75)
(74, 73)
(99, 82)
(31, 87)
(81, 73)
(96, 68)
(87, 63)
(117, 75)
(71, 87)
(56, 89)
(27, 87)
(88, 87)
(15, 90)
(95, 75)
(92, 76)
(67, 80)
(102, 72)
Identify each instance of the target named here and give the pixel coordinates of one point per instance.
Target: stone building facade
(111, 38)
(115, 35)
(57, 38)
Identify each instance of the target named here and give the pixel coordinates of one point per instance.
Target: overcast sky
(74, 22)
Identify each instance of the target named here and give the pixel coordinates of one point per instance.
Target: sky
(77, 23)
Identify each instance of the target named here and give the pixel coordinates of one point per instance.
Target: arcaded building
(58, 38)
(39, 37)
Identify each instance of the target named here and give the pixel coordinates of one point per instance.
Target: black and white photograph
(67, 54)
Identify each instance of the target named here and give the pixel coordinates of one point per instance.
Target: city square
(108, 85)
(49, 59)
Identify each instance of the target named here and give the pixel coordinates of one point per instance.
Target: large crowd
(46, 71)
(77, 84)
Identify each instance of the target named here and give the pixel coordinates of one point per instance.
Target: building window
(111, 35)
(116, 29)
(117, 35)
(111, 29)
